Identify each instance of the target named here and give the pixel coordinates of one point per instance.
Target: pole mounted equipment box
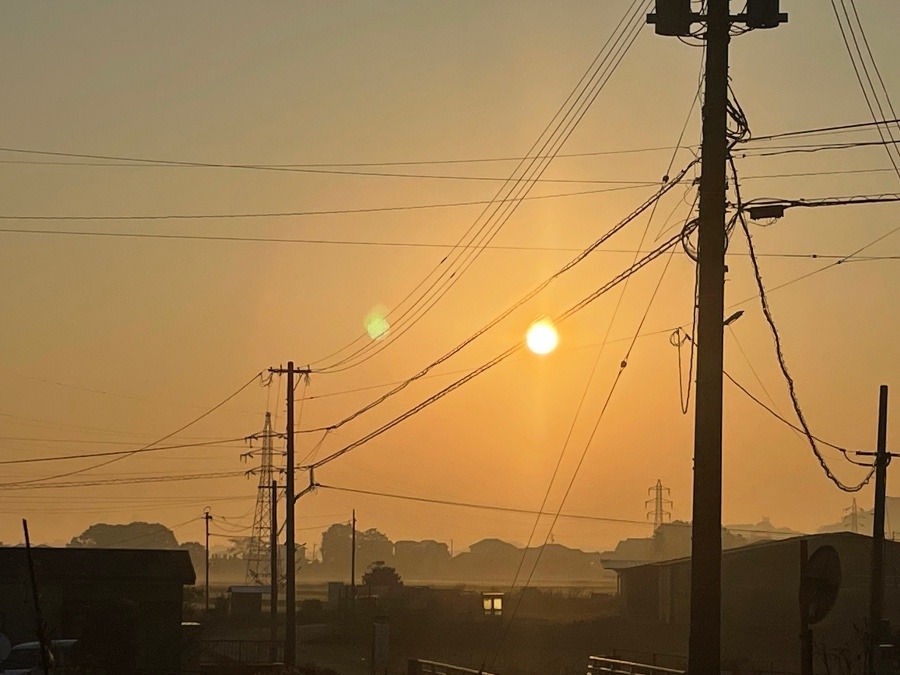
(673, 17)
(764, 14)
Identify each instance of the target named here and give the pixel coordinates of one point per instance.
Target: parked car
(25, 658)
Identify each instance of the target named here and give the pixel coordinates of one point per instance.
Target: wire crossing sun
(542, 337)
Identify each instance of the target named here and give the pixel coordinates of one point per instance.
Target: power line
(497, 359)
(819, 130)
(444, 276)
(311, 213)
(484, 507)
(121, 481)
(521, 301)
(776, 151)
(776, 414)
(138, 162)
(144, 448)
(115, 453)
(779, 353)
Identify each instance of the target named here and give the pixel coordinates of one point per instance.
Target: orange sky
(111, 343)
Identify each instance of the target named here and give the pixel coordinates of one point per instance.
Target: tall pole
(206, 518)
(704, 651)
(273, 546)
(876, 592)
(290, 598)
(35, 596)
(353, 562)
(806, 637)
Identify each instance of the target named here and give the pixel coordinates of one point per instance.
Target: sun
(542, 337)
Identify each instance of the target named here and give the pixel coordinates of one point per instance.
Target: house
(129, 601)
(760, 606)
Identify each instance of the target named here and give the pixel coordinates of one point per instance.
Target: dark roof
(822, 538)
(143, 565)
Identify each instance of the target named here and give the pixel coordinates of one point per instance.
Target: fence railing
(422, 667)
(603, 664)
(246, 652)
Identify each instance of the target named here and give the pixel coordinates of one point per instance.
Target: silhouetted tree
(371, 545)
(380, 575)
(336, 545)
(197, 552)
(132, 535)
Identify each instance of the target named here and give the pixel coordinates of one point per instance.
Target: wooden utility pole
(876, 588)
(704, 648)
(273, 545)
(290, 564)
(206, 518)
(674, 17)
(290, 501)
(353, 562)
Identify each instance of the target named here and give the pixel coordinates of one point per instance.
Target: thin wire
(750, 365)
(305, 214)
(819, 130)
(497, 359)
(145, 162)
(865, 71)
(144, 448)
(124, 481)
(764, 302)
(774, 413)
(623, 365)
(509, 310)
(486, 507)
(488, 230)
(113, 453)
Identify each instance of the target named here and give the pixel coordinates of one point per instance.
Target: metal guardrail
(422, 667)
(602, 664)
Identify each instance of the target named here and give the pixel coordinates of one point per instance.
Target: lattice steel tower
(259, 550)
(660, 514)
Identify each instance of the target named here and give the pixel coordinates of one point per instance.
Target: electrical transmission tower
(659, 501)
(854, 516)
(259, 551)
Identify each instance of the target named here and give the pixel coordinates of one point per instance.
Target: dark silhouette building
(124, 606)
(760, 606)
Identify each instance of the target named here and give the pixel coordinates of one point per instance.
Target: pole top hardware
(674, 17)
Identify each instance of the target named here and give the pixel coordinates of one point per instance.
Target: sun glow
(542, 337)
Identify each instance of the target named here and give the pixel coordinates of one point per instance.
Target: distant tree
(198, 555)
(336, 545)
(373, 545)
(380, 575)
(132, 535)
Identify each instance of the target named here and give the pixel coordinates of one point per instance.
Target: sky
(114, 342)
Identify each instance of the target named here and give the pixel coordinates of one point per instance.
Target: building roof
(173, 566)
(821, 538)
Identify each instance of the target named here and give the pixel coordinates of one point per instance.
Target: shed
(247, 600)
(128, 600)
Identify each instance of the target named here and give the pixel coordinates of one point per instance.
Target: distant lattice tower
(660, 514)
(258, 561)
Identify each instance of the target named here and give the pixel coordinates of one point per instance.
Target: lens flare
(542, 337)
(376, 323)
